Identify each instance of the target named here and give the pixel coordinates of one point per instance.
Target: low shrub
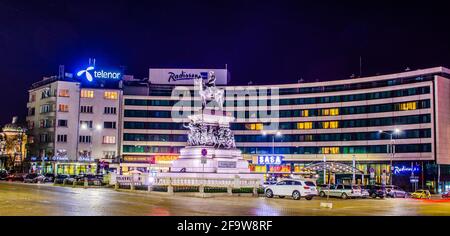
(141, 187)
(242, 190)
(209, 189)
(159, 188)
(185, 189)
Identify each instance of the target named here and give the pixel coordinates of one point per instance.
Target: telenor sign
(90, 73)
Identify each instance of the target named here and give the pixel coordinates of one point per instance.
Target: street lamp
(277, 134)
(392, 149)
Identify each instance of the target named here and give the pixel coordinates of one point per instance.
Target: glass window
(111, 95)
(109, 139)
(87, 93)
(63, 108)
(64, 93)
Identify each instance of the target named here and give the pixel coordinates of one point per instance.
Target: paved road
(47, 200)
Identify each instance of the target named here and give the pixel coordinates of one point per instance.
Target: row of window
(402, 106)
(359, 136)
(157, 91)
(399, 148)
(62, 138)
(385, 121)
(85, 93)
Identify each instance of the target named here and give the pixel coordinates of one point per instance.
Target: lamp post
(392, 149)
(277, 134)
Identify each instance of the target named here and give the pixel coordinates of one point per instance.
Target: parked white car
(292, 187)
(342, 191)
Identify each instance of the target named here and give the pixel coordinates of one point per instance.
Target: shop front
(41, 165)
(146, 164)
(274, 167)
(76, 168)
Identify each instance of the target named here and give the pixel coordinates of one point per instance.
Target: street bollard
(116, 186)
(255, 191)
(132, 185)
(230, 190)
(86, 182)
(74, 183)
(149, 188)
(64, 182)
(170, 190)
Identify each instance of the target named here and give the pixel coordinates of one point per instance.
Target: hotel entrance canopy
(333, 167)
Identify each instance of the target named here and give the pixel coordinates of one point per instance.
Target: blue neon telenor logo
(88, 74)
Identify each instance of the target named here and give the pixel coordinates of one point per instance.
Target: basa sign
(185, 76)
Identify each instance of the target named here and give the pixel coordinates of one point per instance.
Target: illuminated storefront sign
(269, 160)
(165, 158)
(402, 170)
(90, 73)
(139, 159)
(152, 159)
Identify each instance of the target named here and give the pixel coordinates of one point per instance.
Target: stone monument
(211, 150)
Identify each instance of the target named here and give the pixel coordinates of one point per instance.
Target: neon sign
(400, 170)
(269, 160)
(90, 73)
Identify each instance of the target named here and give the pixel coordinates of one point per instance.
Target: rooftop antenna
(360, 66)
(61, 71)
(407, 69)
(301, 80)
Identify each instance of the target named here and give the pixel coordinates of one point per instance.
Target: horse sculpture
(209, 91)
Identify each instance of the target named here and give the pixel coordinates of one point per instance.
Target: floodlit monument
(211, 150)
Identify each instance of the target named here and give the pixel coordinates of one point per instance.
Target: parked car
(60, 178)
(3, 174)
(343, 191)
(90, 177)
(324, 187)
(421, 194)
(364, 192)
(375, 191)
(49, 177)
(16, 177)
(33, 178)
(295, 188)
(268, 183)
(395, 192)
(446, 195)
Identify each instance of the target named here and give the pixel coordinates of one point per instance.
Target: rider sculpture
(208, 91)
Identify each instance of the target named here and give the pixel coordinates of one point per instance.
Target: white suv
(295, 188)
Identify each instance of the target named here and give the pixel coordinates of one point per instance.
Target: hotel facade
(394, 128)
(391, 125)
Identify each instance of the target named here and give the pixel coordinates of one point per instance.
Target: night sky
(261, 41)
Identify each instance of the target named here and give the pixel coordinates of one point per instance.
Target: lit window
(406, 106)
(330, 112)
(64, 93)
(63, 107)
(304, 125)
(87, 93)
(330, 150)
(257, 126)
(111, 95)
(330, 125)
(305, 113)
(109, 139)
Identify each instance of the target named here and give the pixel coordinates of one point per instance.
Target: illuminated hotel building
(339, 121)
(73, 124)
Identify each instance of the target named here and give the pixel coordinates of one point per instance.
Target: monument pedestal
(211, 151)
